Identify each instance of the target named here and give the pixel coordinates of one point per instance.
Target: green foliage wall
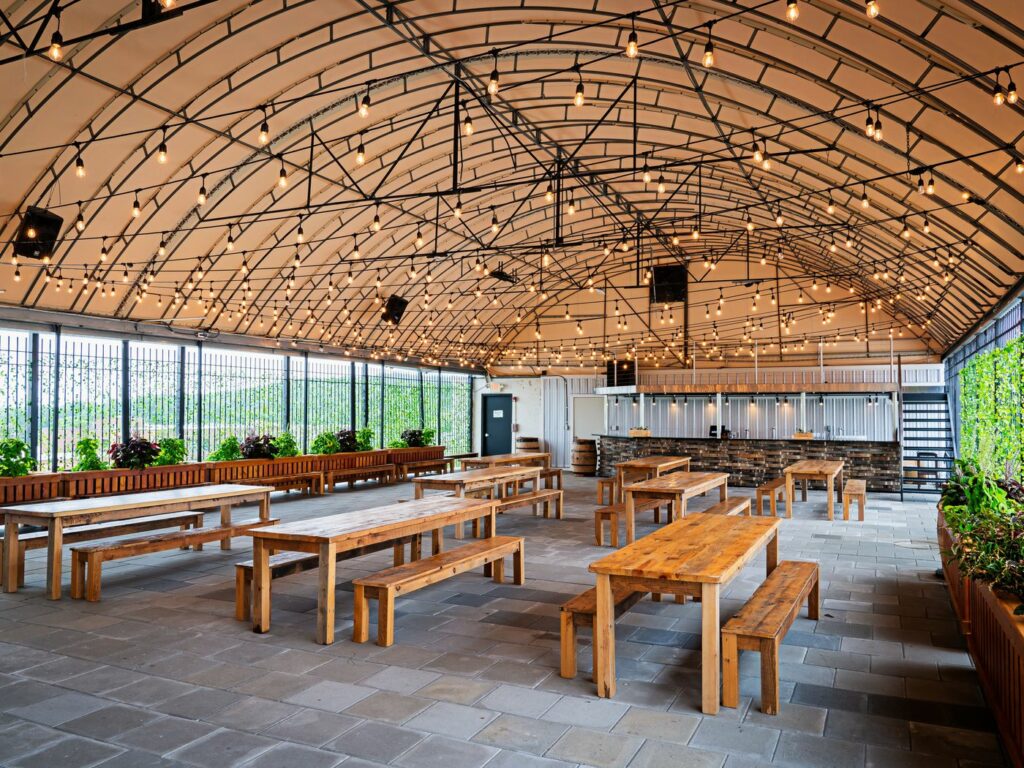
(991, 425)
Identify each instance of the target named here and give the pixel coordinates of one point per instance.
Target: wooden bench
(288, 563)
(730, 507)
(404, 579)
(855, 489)
(545, 496)
(606, 485)
(552, 478)
(93, 531)
(579, 612)
(382, 473)
(775, 491)
(421, 467)
(613, 512)
(762, 623)
(87, 562)
(458, 457)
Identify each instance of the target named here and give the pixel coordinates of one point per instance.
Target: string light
(494, 221)
(282, 176)
(364, 105)
(632, 45)
(360, 151)
(136, 208)
(56, 49)
(79, 162)
(264, 135)
(80, 221)
(161, 151)
(871, 8)
(708, 59)
(201, 197)
(792, 10)
(579, 98)
(492, 83)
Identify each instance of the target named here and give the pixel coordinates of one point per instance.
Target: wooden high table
(327, 536)
(812, 469)
(494, 480)
(650, 466)
(696, 556)
(678, 486)
(540, 459)
(57, 515)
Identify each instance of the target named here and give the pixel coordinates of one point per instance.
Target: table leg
(839, 488)
(830, 482)
(723, 491)
(604, 638)
(710, 649)
(620, 484)
(790, 490)
(630, 518)
(225, 521)
(260, 586)
(10, 554)
(419, 491)
(460, 492)
(437, 541)
(265, 507)
(54, 547)
(772, 554)
(325, 594)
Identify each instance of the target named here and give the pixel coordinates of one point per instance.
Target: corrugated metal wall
(557, 420)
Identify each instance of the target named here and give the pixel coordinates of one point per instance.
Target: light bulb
(1011, 93)
(467, 126)
(136, 208)
(282, 177)
(364, 106)
(869, 126)
(766, 162)
(661, 185)
(376, 222)
(871, 8)
(56, 50)
(578, 98)
(792, 10)
(831, 207)
(201, 197)
(161, 151)
(758, 154)
(79, 167)
(708, 59)
(458, 208)
(494, 223)
(878, 129)
(419, 239)
(80, 221)
(632, 45)
(264, 136)
(930, 187)
(360, 154)
(864, 201)
(492, 84)
(1019, 165)
(549, 193)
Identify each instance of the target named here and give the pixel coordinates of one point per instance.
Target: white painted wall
(527, 406)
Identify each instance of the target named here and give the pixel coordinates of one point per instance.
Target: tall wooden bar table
(811, 469)
(327, 536)
(59, 514)
(696, 556)
(649, 466)
(678, 486)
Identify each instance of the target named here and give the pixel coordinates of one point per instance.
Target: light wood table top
(662, 463)
(470, 476)
(815, 469)
(327, 536)
(699, 548)
(133, 501)
(695, 556)
(500, 459)
(58, 514)
(678, 486)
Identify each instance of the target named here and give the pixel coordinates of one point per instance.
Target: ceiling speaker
(669, 284)
(394, 309)
(38, 233)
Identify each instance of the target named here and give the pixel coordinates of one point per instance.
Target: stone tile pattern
(751, 462)
(160, 674)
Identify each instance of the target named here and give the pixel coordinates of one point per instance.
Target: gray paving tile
(458, 690)
(596, 748)
(253, 714)
(329, 695)
(60, 709)
(105, 723)
(650, 724)
(589, 713)
(800, 749)
(164, 735)
(730, 736)
(519, 701)
(72, 752)
(375, 741)
(454, 720)
(389, 707)
(521, 734)
(24, 737)
(223, 748)
(442, 752)
(295, 756)
(312, 726)
(401, 679)
(656, 754)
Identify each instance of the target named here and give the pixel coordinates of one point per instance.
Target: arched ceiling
(202, 75)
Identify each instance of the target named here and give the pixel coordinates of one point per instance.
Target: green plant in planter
(398, 444)
(346, 440)
(172, 451)
(228, 450)
(428, 436)
(365, 439)
(87, 455)
(15, 460)
(286, 445)
(325, 443)
(136, 453)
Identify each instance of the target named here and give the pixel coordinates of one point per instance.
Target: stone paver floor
(160, 674)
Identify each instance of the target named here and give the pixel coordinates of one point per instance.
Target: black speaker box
(669, 284)
(394, 309)
(620, 373)
(38, 233)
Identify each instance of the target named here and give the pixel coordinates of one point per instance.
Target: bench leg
(803, 493)
(497, 570)
(93, 573)
(770, 677)
(399, 557)
(861, 503)
(599, 530)
(21, 564)
(568, 646)
(560, 507)
(416, 547)
(325, 594)
(77, 575)
(385, 617)
(613, 523)
(657, 515)
(519, 564)
(243, 593)
(759, 502)
(813, 600)
(846, 507)
(730, 671)
(437, 541)
(360, 615)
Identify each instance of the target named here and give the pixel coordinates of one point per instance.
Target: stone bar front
(751, 462)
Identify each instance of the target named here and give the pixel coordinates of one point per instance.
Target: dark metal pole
(438, 405)
(287, 392)
(469, 389)
(423, 415)
(366, 394)
(305, 402)
(126, 394)
(381, 403)
(352, 396)
(199, 400)
(455, 130)
(182, 353)
(34, 389)
(55, 434)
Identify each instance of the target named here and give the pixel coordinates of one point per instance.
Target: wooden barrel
(584, 456)
(527, 445)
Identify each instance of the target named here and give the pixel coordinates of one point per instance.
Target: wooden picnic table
(695, 556)
(649, 466)
(678, 486)
(472, 480)
(539, 458)
(814, 469)
(60, 514)
(327, 536)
